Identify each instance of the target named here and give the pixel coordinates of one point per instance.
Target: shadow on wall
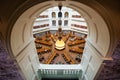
(8, 69)
(111, 70)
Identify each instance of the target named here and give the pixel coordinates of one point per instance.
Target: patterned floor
(111, 70)
(8, 69)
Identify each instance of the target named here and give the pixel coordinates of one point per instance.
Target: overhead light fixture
(60, 44)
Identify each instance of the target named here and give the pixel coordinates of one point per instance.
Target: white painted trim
(65, 66)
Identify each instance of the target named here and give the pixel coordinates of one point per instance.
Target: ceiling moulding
(47, 6)
(72, 6)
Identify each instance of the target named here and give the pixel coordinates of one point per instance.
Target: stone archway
(97, 46)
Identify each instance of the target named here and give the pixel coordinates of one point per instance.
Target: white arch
(22, 44)
(98, 31)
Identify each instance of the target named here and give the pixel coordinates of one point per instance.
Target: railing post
(73, 73)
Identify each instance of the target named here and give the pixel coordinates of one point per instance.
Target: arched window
(59, 14)
(59, 22)
(53, 22)
(66, 14)
(66, 23)
(53, 14)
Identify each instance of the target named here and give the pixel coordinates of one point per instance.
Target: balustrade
(59, 72)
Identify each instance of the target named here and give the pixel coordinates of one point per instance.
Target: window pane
(59, 14)
(66, 23)
(60, 22)
(66, 14)
(53, 15)
(53, 23)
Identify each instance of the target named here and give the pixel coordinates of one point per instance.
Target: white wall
(71, 20)
(91, 61)
(98, 40)
(28, 61)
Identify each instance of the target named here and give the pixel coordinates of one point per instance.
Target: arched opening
(72, 42)
(53, 14)
(66, 14)
(97, 46)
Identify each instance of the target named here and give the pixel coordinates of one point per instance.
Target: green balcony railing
(59, 73)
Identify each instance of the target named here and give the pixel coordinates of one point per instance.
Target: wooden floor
(74, 46)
